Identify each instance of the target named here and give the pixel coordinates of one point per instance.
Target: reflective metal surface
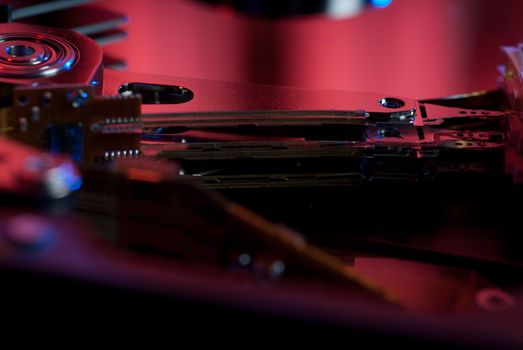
(32, 54)
(29, 55)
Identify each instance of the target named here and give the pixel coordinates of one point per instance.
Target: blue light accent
(380, 3)
(68, 64)
(69, 176)
(152, 137)
(94, 83)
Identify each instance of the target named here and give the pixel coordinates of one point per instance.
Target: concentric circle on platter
(31, 55)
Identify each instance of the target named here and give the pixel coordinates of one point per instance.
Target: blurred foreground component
(155, 210)
(29, 172)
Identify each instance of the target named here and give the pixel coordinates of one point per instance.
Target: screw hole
(157, 94)
(391, 102)
(19, 51)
